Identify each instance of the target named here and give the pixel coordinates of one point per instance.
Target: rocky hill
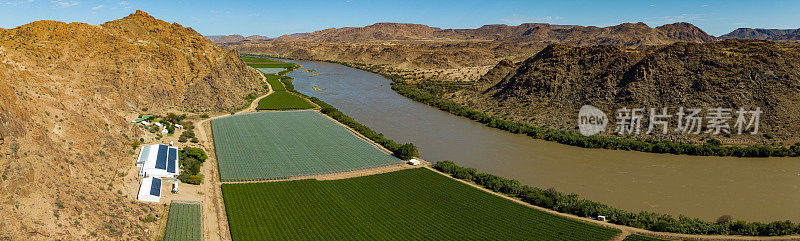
(220, 39)
(764, 34)
(68, 91)
(419, 46)
(549, 88)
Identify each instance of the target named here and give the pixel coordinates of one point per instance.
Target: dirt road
(215, 222)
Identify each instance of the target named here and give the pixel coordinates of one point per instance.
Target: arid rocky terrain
(764, 34)
(628, 64)
(415, 46)
(68, 93)
(549, 88)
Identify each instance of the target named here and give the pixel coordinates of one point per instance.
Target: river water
(753, 189)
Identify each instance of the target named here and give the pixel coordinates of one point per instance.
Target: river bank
(697, 186)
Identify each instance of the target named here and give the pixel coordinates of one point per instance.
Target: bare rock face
(64, 137)
(420, 46)
(494, 75)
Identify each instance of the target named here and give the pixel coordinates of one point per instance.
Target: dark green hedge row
(573, 204)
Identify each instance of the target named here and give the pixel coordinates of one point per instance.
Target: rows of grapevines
(184, 222)
(634, 237)
(415, 204)
(274, 145)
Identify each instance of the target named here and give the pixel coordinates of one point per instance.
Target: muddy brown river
(754, 189)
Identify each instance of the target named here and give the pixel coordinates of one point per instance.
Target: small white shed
(414, 162)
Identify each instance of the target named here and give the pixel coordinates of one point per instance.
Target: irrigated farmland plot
(414, 204)
(184, 222)
(283, 100)
(270, 145)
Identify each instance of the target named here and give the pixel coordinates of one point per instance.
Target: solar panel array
(161, 159)
(155, 188)
(273, 145)
(173, 156)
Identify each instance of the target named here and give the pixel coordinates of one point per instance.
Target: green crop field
(414, 204)
(280, 144)
(184, 222)
(273, 65)
(283, 100)
(275, 81)
(256, 59)
(635, 237)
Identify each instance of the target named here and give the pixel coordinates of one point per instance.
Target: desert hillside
(764, 34)
(415, 46)
(549, 88)
(68, 92)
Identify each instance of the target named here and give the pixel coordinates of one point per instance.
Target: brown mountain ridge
(549, 88)
(411, 46)
(69, 91)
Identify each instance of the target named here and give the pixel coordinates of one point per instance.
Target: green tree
(406, 151)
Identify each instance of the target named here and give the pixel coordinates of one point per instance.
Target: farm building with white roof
(158, 161)
(150, 190)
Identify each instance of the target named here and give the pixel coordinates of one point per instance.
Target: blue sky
(275, 18)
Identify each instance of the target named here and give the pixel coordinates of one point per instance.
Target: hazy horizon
(273, 18)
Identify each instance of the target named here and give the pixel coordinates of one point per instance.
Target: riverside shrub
(574, 204)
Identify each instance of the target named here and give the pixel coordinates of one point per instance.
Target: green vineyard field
(635, 237)
(280, 144)
(257, 59)
(184, 222)
(274, 81)
(273, 65)
(283, 100)
(414, 204)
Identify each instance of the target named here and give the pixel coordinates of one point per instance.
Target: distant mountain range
(764, 34)
(409, 45)
(627, 34)
(234, 38)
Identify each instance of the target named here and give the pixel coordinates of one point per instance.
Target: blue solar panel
(173, 155)
(161, 159)
(155, 189)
